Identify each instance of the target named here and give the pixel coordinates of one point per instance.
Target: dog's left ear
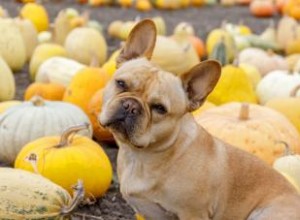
(140, 42)
(200, 81)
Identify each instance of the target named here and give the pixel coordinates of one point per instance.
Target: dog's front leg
(150, 210)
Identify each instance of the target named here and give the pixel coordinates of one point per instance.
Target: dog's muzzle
(125, 117)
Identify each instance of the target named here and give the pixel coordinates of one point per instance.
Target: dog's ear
(200, 81)
(140, 42)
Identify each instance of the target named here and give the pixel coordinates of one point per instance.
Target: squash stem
(287, 151)
(244, 112)
(77, 198)
(67, 135)
(37, 101)
(295, 91)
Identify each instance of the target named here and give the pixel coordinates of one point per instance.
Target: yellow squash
(24, 195)
(233, 85)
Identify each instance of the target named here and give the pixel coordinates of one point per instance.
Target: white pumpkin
(171, 57)
(264, 61)
(58, 70)
(12, 45)
(29, 34)
(277, 84)
(25, 195)
(7, 82)
(289, 165)
(84, 44)
(34, 119)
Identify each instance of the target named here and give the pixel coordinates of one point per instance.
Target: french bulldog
(168, 166)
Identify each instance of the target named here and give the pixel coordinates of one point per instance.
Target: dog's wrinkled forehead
(142, 76)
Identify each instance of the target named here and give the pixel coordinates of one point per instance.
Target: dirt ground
(112, 206)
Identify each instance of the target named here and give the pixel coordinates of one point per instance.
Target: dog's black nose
(131, 107)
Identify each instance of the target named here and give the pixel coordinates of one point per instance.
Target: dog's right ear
(140, 42)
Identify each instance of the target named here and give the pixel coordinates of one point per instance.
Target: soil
(112, 206)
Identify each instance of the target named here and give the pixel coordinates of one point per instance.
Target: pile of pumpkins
(259, 8)
(255, 105)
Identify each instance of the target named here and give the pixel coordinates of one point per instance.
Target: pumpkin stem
(77, 198)
(37, 101)
(244, 111)
(287, 151)
(67, 136)
(295, 91)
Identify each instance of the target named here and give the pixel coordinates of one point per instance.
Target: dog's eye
(159, 108)
(121, 84)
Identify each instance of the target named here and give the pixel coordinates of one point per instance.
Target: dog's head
(143, 104)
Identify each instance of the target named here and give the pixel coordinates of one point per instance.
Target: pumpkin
(219, 53)
(253, 128)
(65, 159)
(184, 26)
(12, 45)
(42, 53)
(58, 70)
(285, 32)
(243, 2)
(84, 85)
(110, 66)
(171, 56)
(94, 109)
(89, 42)
(199, 45)
(215, 36)
(289, 166)
(289, 106)
(293, 46)
(29, 34)
(143, 5)
(280, 5)
(227, 2)
(252, 73)
(197, 3)
(292, 61)
(49, 91)
(114, 28)
(66, 20)
(265, 62)
(37, 14)
(33, 119)
(277, 84)
(8, 104)
(25, 195)
(233, 85)
(262, 8)
(182, 35)
(7, 82)
(45, 37)
(292, 9)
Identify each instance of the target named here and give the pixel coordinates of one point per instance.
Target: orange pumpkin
(84, 85)
(262, 8)
(49, 91)
(280, 4)
(198, 45)
(292, 9)
(94, 108)
(243, 2)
